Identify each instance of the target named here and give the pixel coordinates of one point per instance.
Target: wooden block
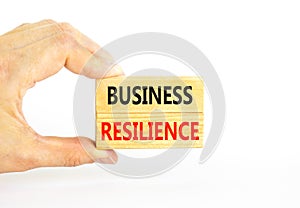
(195, 106)
(149, 112)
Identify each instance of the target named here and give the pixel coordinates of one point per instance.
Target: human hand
(31, 53)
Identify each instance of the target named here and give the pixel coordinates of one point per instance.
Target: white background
(253, 45)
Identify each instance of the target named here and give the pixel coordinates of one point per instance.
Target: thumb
(71, 151)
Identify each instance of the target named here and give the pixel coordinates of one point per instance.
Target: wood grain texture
(155, 113)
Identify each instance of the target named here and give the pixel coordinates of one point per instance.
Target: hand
(28, 54)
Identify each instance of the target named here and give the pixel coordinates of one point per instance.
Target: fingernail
(111, 158)
(115, 71)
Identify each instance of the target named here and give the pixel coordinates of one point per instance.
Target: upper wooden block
(177, 90)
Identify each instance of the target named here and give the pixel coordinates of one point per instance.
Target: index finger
(70, 49)
(100, 64)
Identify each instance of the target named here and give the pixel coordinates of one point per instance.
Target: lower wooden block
(169, 130)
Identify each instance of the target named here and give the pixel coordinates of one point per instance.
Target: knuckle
(48, 21)
(65, 40)
(65, 27)
(65, 37)
(72, 160)
(69, 29)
